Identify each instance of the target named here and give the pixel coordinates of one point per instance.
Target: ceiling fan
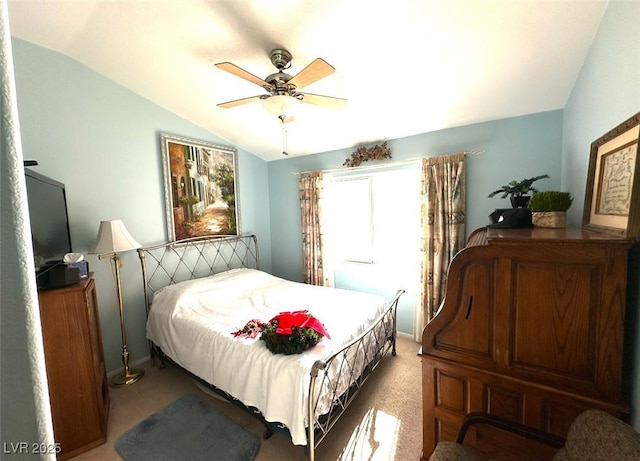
(282, 88)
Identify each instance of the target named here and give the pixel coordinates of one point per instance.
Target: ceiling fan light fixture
(280, 104)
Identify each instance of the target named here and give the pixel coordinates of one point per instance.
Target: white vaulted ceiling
(405, 66)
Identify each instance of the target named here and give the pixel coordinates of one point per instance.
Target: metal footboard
(339, 378)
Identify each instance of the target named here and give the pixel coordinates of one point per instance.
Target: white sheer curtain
(26, 414)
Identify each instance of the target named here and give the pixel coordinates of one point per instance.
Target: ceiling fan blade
(325, 101)
(239, 102)
(239, 72)
(312, 73)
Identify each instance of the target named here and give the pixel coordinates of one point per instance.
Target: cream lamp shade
(113, 237)
(280, 104)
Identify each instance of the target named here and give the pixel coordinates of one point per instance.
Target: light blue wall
(606, 93)
(514, 148)
(103, 142)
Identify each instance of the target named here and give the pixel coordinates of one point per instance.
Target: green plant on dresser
(549, 208)
(517, 190)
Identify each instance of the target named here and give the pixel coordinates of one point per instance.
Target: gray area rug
(187, 429)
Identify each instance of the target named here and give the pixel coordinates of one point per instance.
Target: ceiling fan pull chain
(284, 134)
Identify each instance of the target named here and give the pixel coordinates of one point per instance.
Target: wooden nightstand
(74, 357)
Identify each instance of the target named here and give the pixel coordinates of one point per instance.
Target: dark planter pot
(520, 202)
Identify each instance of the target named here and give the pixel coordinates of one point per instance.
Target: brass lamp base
(126, 378)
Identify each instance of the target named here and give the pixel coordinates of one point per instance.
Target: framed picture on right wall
(612, 197)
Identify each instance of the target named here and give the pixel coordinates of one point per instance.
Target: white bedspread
(193, 323)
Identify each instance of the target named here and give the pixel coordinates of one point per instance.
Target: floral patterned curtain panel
(443, 226)
(310, 188)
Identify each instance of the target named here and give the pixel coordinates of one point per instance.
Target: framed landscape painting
(612, 198)
(200, 188)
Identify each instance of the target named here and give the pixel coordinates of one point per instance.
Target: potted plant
(549, 208)
(517, 191)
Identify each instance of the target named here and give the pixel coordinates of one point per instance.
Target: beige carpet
(383, 423)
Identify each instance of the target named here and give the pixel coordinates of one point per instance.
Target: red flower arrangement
(286, 333)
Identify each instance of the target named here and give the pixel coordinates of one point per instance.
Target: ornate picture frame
(612, 197)
(200, 188)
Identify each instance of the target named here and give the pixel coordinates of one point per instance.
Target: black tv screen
(49, 219)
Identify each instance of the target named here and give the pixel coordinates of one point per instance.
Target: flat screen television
(49, 219)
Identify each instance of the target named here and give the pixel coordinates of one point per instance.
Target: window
(348, 217)
(371, 229)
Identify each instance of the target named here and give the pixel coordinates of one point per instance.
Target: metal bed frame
(199, 257)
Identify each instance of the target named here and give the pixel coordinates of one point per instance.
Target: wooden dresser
(531, 329)
(74, 357)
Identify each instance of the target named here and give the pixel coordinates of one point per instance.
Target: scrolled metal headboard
(193, 258)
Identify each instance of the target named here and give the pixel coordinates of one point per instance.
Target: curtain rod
(383, 165)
